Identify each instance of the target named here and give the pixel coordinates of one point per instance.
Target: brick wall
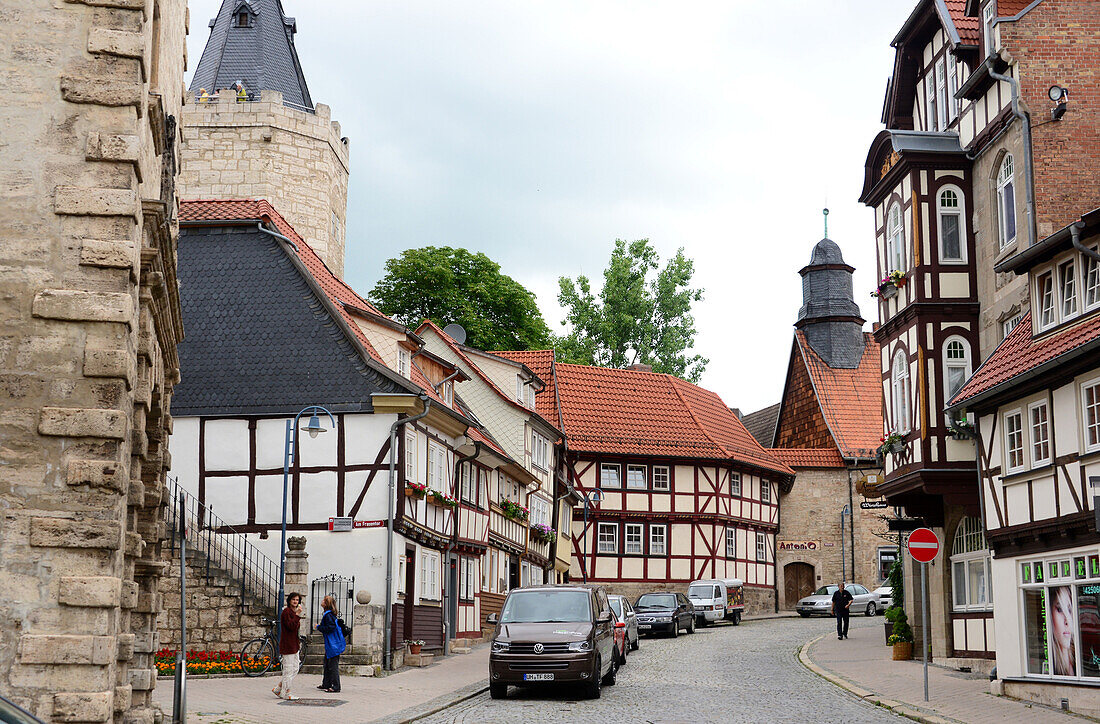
(801, 423)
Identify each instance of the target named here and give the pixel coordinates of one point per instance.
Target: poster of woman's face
(1063, 654)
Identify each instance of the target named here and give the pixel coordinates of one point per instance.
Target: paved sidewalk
(398, 697)
(863, 665)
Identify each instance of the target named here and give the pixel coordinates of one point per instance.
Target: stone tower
(273, 142)
(90, 315)
(829, 316)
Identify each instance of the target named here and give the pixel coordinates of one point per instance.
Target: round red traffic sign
(923, 545)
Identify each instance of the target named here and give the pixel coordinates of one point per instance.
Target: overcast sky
(539, 132)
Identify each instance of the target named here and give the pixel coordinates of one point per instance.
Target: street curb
(436, 705)
(898, 707)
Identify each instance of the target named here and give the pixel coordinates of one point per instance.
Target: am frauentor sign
(343, 525)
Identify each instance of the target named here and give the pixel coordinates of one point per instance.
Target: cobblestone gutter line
(898, 707)
(436, 705)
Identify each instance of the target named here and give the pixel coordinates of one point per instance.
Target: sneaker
(291, 697)
(839, 637)
(277, 693)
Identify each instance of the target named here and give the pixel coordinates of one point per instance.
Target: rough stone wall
(90, 318)
(811, 512)
(264, 150)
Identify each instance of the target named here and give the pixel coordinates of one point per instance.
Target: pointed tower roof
(829, 316)
(252, 41)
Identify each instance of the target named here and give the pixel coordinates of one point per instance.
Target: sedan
(628, 618)
(884, 596)
(664, 612)
(820, 602)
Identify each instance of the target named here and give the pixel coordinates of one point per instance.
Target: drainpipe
(851, 525)
(843, 563)
(391, 502)
(279, 236)
(1029, 178)
(1075, 230)
(454, 536)
(445, 380)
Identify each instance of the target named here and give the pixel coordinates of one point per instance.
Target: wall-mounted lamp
(1059, 96)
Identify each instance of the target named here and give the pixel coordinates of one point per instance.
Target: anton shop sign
(799, 545)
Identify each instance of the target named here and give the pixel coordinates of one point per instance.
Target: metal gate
(340, 588)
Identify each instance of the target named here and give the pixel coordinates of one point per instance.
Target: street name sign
(874, 504)
(344, 525)
(923, 545)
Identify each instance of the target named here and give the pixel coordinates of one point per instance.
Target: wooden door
(798, 581)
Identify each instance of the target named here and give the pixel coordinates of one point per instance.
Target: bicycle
(260, 654)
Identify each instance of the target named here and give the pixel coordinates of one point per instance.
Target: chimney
(640, 367)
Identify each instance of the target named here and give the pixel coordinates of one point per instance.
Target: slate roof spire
(252, 41)
(829, 316)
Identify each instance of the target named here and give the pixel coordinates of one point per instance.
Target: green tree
(641, 316)
(449, 285)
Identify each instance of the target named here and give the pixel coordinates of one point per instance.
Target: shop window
(886, 559)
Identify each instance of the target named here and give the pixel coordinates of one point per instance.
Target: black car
(664, 612)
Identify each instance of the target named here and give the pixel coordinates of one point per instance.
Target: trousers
(290, 670)
(331, 678)
(842, 623)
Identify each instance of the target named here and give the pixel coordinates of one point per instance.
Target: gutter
(1029, 174)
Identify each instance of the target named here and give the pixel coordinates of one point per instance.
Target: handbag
(344, 628)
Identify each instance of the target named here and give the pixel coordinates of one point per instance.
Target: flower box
(903, 651)
(442, 499)
(515, 511)
(415, 490)
(542, 533)
(892, 443)
(889, 285)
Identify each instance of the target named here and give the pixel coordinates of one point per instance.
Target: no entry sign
(923, 545)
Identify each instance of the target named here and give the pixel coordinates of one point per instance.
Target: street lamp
(592, 497)
(314, 428)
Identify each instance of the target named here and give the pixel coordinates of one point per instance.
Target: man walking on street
(842, 601)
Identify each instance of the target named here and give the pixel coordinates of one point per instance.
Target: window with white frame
(1039, 422)
(929, 102)
(449, 392)
(632, 538)
(735, 484)
(952, 87)
(941, 95)
(956, 365)
(1010, 324)
(1067, 289)
(1092, 281)
(610, 474)
(508, 488)
(899, 383)
(635, 477)
(1044, 292)
(403, 362)
(761, 547)
(540, 451)
(466, 579)
(731, 542)
(970, 568)
(402, 561)
(661, 477)
(468, 483)
(989, 14)
(519, 388)
(410, 455)
(765, 491)
(895, 240)
(437, 467)
(540, 509)
(429, 574)
(1006, 202)
(607, 537)
(658, 539)
(524, 573)
(952, 234)
(1090, 394)
(1014, 441)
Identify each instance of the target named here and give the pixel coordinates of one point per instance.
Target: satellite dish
(456, 332)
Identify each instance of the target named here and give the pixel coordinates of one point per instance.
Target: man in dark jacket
(842, 601)
(289, 623)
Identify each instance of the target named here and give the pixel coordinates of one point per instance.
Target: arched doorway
(798, 581)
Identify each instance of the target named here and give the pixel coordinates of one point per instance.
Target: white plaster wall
(226, 444)
(183, 444)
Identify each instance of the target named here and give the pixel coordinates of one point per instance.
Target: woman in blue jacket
(334, 645)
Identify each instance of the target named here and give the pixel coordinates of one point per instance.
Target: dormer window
(989, 14)
(242, 19)
(403, 362)
(449, 392)
(1092, 281)
(1044, 293)
(1067, 286)
(242, 16)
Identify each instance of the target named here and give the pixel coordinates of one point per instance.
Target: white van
(716, 599)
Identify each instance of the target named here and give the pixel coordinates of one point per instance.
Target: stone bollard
(297, 570)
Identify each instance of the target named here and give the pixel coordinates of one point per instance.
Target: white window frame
(1017, 414)
(952, 87)
(540, 451)
(633, 538)
(765, 491)
(941, 94)
(958, 211)
(659, 472)
(1010, 324)
(975, 554)
(519, 389)
(931, 114)
(731, 543)
(1091, 432)
(1090, 281)
(410, 455)
(448, 393)
(761, 548)
(404, 362)
(437, 467)
(899, 387)
(467, 490)
(539, 509)
(631, 484)
(735, 484)
(607, 539)
(1006, 179)
(607, 467)
(1038, 432)
(1046, 301)
(658, 539)
(429, 574)
(1068, 289)
(895, 239)
(989, 35)
(949, 363)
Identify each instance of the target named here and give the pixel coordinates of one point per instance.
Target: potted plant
(889, 285)
(961, 429)
(414, 645)
(897, 596)
(892, 443)
(902, 637)
(542, 532)
(514, 510)
(415, 490)
(442, 499)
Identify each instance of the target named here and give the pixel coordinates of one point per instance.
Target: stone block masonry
(90, 320)
(295, 159)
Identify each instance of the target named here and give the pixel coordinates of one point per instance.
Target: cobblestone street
(748, 673)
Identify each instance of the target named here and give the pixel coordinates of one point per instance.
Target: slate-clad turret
(829, 316)
(252, 41)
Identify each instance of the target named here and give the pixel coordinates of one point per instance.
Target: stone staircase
(355, 661)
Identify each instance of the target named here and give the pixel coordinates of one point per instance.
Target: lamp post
(592, 497)
(314, 428)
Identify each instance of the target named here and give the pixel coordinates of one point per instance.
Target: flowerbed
(204, 662)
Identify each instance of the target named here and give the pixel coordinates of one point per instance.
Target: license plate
(538, 677)
(644, 626)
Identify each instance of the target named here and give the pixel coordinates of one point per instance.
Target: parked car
(629, 619)
(884, 595)
(716, 599)
(820, 602)
(619, 629)
(664, 612)
(10, 713)
(553, 634)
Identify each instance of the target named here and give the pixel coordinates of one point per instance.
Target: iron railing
(223, 548)
(340, 588)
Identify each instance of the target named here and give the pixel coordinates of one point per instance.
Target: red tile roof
(850, 399)
(629, 412)
(970, 29)
(808, 457)
(337, 291)
(1020, 353)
